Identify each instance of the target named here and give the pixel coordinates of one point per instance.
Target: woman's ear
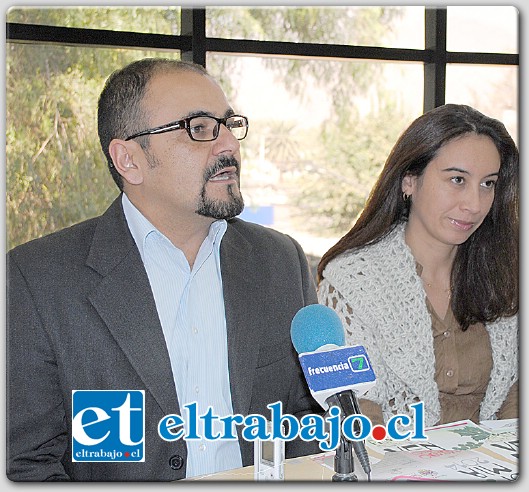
(408, 184)
(122, 154)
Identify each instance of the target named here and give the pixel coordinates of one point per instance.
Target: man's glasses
(202, 128)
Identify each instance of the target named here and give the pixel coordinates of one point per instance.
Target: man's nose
(226, 141)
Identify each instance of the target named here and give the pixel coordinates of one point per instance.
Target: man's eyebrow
(203, 112)
(198, 112)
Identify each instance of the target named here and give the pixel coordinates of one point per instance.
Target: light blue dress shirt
(190, 305)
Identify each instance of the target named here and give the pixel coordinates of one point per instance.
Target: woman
(427, 278)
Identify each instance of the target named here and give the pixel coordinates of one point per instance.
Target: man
(166, 292)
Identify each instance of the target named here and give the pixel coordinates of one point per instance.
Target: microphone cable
(363, 457)
(348, 404)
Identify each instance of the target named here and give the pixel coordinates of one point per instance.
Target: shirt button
(196, 389)
(446, 334)
(202, 447)
(195, 330)
(450, 373)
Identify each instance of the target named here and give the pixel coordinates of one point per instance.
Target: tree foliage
(338, 180)
(322, 25)
(56, 174)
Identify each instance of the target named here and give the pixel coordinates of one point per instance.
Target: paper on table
(499, 425)
(458, 436)
(456, 451)
(443, 465)
(503, 439)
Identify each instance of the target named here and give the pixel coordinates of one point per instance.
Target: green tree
(56, 174)
(332, 169)
(338, 180)
(324, 25)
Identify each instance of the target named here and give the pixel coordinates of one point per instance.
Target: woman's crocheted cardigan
(380, 298)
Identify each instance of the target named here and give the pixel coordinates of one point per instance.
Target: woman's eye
(457, 179)
(489, 184)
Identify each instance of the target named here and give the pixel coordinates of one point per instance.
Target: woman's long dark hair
(484, 278)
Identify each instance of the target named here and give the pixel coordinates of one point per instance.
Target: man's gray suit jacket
(81, 315)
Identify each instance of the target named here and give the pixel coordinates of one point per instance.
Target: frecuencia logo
(326, 429)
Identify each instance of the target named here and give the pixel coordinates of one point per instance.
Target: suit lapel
(242, 306)
(125, 302)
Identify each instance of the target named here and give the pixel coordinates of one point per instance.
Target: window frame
(194, 44)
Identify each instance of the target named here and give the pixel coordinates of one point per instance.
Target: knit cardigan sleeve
(504, 342)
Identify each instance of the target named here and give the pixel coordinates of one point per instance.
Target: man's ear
(122, 154)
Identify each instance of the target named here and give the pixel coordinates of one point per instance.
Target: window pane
(492, 90)
(319, 134)
(482, 29)
(391, 27)
(56, 174)
(137, 19)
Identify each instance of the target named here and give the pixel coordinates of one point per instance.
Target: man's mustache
(220, 164)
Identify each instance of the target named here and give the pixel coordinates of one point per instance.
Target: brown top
(463, 361)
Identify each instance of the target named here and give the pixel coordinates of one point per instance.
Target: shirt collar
(140, 228)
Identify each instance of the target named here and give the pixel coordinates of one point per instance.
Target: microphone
(315, 327)
(336, 374)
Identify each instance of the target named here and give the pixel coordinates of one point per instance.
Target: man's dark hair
(120, 112)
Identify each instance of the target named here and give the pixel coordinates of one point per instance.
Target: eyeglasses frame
(184, 125)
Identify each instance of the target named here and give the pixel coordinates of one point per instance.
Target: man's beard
(221, 209)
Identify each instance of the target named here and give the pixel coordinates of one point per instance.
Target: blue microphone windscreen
(314, 326)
